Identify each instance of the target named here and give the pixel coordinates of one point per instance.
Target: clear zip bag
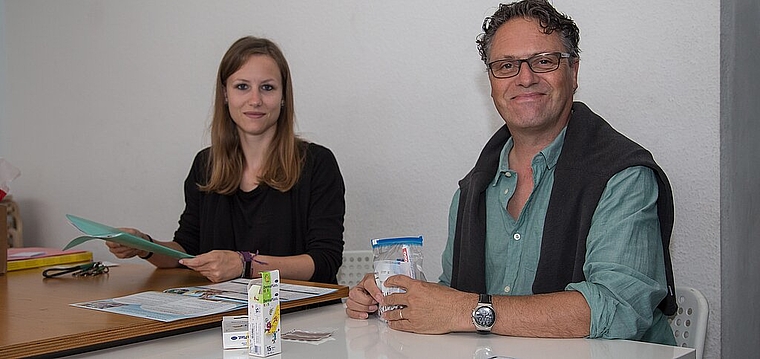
(396, 255)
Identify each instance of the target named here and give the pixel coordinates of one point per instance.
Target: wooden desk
(371, 339)
(36, 318)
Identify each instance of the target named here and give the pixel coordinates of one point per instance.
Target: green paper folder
(94, 230)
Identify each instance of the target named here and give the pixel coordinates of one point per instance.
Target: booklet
(190, 302)
(94, 230)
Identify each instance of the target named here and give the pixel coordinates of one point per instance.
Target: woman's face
(254, 95)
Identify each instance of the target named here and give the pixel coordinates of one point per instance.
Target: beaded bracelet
(150, 254)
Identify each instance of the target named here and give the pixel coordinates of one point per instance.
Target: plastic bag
(399, 255)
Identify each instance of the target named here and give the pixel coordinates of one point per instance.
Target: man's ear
(576, 68)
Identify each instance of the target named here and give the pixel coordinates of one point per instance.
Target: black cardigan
(306, 219)
(592, 153)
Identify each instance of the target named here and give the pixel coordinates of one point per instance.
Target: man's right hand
(364, 298)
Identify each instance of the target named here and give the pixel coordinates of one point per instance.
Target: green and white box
(264, 315)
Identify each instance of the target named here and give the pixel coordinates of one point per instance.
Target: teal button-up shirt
(624, 268)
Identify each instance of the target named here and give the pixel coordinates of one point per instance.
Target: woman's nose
(255, 100)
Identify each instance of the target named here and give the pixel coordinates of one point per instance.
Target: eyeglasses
(539, 63)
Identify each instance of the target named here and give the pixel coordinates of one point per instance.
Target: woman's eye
(241, 86)
(267, 87)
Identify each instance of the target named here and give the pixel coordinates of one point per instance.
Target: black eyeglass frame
(560, 56)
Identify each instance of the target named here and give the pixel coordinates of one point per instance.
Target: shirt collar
(550, 153)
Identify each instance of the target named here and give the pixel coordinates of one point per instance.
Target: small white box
(235, 332)
(264, 315)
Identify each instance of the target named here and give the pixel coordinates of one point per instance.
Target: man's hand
(428, 308)
(364, 298)
(217, 265)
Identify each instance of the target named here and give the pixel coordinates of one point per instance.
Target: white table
(373, 339)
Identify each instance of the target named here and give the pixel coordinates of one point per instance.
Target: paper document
(190, 302)
(162, 306)
(237, 289)
(94, 230)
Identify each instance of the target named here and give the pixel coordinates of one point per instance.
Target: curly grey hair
(548, 17)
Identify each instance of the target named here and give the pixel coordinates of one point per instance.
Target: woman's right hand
(217, 265)
(364, 298)
(124, 252)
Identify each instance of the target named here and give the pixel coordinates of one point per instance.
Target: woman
(259, 198)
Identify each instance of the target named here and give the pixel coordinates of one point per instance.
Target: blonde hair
(282, 167)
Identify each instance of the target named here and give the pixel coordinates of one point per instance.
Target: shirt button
(516, 236)
(506, 191)
(507, 289)
(508, 174)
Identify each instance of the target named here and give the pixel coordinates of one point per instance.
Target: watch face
(484, 316)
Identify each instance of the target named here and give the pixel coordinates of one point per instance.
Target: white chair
(689, 324)
(355, 265)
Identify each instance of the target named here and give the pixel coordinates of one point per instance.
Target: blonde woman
(260, 198)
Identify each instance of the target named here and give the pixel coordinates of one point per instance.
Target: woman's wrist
(246, 258)
(150, 254)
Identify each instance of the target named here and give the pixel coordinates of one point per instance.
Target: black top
(306, 219)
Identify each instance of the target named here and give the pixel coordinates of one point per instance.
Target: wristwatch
(484, 316)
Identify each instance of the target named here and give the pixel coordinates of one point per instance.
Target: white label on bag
(389, 268)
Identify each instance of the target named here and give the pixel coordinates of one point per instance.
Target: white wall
(109, 101)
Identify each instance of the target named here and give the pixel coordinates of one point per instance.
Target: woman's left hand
(217, 265)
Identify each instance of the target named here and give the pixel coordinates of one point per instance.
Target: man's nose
(526, 76)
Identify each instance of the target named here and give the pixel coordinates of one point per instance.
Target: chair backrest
(689, 324)
(355, 265)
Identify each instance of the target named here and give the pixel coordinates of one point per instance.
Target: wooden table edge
(152, 329)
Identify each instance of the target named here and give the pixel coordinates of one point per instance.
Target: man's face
(529, 101)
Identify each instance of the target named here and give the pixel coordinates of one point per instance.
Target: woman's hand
(364, 298)
(124, 252)
(217, 265)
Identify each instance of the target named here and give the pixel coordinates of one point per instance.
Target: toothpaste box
(264, 315)
(235, 332)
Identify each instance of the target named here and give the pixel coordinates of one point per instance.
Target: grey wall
(740, 179)
(108, 101)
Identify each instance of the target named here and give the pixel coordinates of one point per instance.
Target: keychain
(82, 270)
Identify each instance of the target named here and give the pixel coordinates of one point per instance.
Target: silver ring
(401, 313)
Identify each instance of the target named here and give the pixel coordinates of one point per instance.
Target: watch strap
(484, 299)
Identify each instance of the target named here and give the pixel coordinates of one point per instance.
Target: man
(562, 228)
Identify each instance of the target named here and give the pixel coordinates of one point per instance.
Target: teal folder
(94, 230)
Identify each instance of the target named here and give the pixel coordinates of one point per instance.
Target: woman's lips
(254, 114)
